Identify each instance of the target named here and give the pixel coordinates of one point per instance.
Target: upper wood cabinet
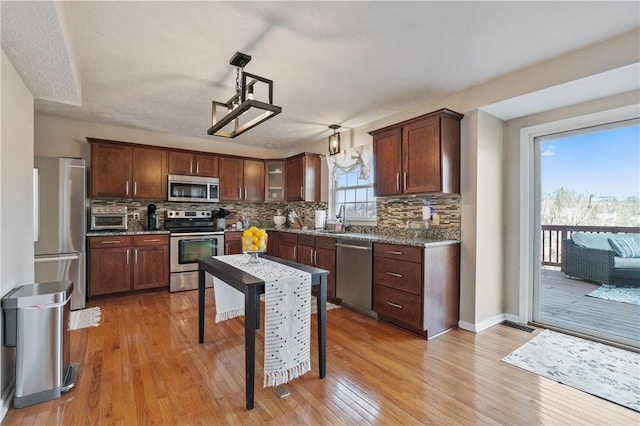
(303, 177)
(120, 170)
(193, 164)
(274, 180)
(418, 156)
(241, 179)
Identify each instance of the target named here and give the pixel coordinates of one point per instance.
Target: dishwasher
(353, 275)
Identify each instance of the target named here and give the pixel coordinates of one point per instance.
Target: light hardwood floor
(143, 365)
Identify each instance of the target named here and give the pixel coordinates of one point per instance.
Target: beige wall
(59, 137)
(16, 199)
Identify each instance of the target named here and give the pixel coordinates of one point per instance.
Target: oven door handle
(196, 234)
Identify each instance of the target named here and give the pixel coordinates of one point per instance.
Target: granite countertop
(375, 238)
(115, 233)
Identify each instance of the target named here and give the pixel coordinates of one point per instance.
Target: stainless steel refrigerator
(60, 223)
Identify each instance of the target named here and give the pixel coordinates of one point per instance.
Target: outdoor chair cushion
(625, 246)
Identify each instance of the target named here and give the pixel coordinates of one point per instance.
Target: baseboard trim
(7, 398)
(477, 328)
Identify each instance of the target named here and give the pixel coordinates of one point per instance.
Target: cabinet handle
(311, 257)
(395, 305)
(398, 182)
(393, 274)
(127, 256)
(126, 188)
(301, 193)
(405, 181)
(135, 252)
(245, 192)
(226, 248)
(190, 167)
(155, 240)
(295, 252)
(240, 193)
(397, 253)
(135, 187)
(110, 242)
(197, 167)
(315, 258)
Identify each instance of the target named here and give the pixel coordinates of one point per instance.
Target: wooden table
(252, 287)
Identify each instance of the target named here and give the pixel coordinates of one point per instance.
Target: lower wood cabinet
(233, 242)
(288, 246)
(417, 288)
(317, 251)
(119, 264)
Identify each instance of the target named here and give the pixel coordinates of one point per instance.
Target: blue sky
(605, 163)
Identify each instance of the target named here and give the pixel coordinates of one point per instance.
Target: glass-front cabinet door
(274, 180)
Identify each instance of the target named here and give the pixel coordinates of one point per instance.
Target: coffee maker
(153, 221)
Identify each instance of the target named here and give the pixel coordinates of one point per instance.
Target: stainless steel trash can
(36, 323)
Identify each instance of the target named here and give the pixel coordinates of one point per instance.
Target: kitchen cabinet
(120, 170)
(288, 246)
(193, 164)
(272, 243)
(241, 179)
(119, 264)
(303, 177)
(233, 242)
(150, 261)
(275, 175)
(320, 252)
(417, 289)
(418, 156)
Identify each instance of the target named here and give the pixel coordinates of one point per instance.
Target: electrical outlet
(136, 215)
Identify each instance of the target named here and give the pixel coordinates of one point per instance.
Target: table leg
(257, 311)
(322, 325)
(201, 305)
(250, 342)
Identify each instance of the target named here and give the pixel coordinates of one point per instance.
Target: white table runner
(287, 315)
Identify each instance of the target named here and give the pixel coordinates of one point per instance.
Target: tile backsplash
(393, 213)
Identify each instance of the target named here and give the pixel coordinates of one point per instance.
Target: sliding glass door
(587, 193)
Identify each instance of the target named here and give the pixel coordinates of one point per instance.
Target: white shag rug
(604, 371)
(84, 318)
(618, 294)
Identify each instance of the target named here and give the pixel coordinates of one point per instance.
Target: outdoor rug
(84, 318)
(618, 294)
(604, 371)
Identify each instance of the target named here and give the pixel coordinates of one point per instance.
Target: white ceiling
(158, 65)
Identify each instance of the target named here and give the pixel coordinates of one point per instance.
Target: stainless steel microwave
(193, 189)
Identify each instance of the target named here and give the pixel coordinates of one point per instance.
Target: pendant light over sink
(334, 140)
(243, 110)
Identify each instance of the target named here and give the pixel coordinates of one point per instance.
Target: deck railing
(552, 236)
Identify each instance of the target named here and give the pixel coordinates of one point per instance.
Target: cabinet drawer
(398, 305)
(405, 276)
(326, 243)
(150, 240)
(289, 237)
(398, 252)
(307, 240)
(230, 236)
(109, 242)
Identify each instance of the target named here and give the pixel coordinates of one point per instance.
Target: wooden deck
(565, 300)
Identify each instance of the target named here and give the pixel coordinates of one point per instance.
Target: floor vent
(518, 326)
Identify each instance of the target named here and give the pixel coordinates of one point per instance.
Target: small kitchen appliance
(153, 221)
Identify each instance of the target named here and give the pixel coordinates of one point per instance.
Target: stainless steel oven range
(193, 235)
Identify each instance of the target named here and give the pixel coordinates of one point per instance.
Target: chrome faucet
(340, 215)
